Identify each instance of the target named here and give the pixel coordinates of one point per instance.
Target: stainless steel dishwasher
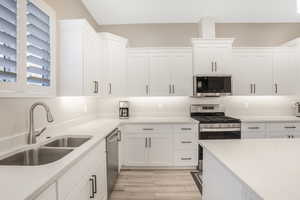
(112, 150)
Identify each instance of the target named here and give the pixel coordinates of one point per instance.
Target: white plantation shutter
(38, 46)
(8, 40)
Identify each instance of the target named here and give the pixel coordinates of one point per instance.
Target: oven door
(212, 85)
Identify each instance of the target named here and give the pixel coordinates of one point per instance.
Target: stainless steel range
(214, 125)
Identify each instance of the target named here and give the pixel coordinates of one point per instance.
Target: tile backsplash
(180, 106)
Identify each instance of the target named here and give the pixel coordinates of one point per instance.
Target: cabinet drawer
(253, 127)
(186, 158)
(185, 128)
(147, 128)
(283, 127)
(182, 141)
(253, 135)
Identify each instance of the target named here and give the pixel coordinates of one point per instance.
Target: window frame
(20, 88)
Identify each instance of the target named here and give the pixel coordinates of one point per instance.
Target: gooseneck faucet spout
(33, 134)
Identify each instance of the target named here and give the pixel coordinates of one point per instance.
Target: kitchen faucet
(33, 134)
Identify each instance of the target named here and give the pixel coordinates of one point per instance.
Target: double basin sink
(48, 153)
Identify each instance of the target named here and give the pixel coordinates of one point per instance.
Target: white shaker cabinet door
(138, 75)
(222, 60)
(160, 76)
(48, 194)
(203, 57)
(135, 150)
(160, 152)
(285, 72)
(83, 192)
(181, 68)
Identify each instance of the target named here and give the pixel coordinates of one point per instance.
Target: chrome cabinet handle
(95, 183)
(212, 66)
(251, 88)
(170, 89)
(148, 129)
(216, 67)
(290, 127)
(96, 87)
(253, 128)
(110, 90)
(119, 136)
(186, 158)
(173, 87)
(254, 88)
(276, 88)
(146, 142)
(150, 142)
(186, 129)
(92, 196)
(186, 142)
(147, 89)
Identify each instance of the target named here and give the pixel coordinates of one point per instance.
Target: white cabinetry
(153, 145)
(212, 56)
(252, 71)
(86, 179)
(159, 72)
(114, 68)
(271, 130)
(148, 145)
(285, 72)
(48, 194)
(79, 73)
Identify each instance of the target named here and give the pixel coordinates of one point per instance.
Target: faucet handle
(38, 133)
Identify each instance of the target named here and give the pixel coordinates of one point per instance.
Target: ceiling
(190, 11)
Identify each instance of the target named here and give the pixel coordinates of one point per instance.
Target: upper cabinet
(212, 56)
(92, 64)
(114, 70)
(27, 48)
(159, 72)
(252, 71)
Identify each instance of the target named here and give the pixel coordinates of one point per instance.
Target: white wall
(179, 106)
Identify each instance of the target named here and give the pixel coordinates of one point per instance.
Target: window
(38, 46)
(8, 41)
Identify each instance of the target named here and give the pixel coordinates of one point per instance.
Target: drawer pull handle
(290, 127)
(186, 129)
(186, 142)
(148, 129)
(253, 128)
(186, 158)
(92, 196)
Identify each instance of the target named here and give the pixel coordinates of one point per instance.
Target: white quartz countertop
(270, 167)
(26, 182)
(264, 119)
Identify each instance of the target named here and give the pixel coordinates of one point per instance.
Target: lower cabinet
(271, 130)
(150, 145)
(86, 179)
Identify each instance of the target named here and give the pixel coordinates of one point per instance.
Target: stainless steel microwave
(212, 85)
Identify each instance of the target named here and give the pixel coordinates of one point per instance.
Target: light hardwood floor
(155, 185)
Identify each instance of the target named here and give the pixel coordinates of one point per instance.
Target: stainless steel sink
(34, 157)
(70, 141)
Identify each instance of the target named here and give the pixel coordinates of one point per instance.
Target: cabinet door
(117, 68)
(83, 192)
(91, 63)
(135, 150)
(138, 75)
(285, 72)
(253, 73)
(160, 76)
(222, 60)
(160, 151)
(278, 135)
(203, 60)
(181, 68)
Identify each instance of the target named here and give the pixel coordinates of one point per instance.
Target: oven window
(214, 84)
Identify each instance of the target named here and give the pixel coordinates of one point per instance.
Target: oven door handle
(219, 130)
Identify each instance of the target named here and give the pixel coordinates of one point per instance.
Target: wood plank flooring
(155, 185)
